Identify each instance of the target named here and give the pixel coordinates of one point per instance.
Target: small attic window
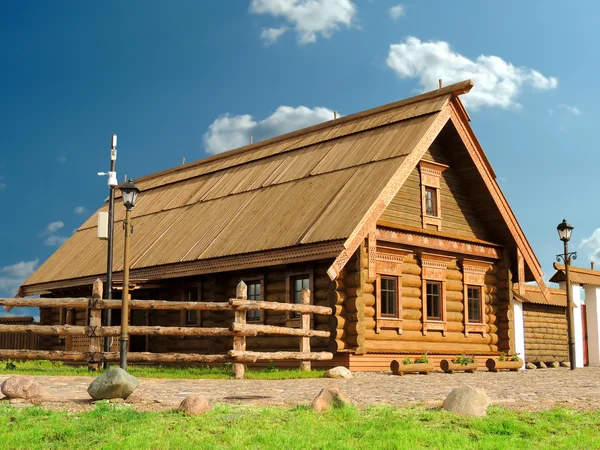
(431, 174)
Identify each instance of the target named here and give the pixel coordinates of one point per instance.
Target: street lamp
(130, 192)
(564, 233)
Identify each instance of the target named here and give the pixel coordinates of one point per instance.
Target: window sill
(475, 328)
(435, 325)
(386, 323)
(435, 221)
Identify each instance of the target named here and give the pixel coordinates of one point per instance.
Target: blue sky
(187, 78)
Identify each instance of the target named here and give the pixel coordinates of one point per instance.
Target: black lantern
(564, 230)
(130, 193)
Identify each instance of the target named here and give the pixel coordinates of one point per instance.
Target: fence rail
(239, 330)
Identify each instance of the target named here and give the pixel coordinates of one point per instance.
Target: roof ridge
(455, 89)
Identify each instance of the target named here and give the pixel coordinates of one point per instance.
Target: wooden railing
(239, 330)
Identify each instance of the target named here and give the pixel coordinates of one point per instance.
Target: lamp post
(130, 193)
(564, 233)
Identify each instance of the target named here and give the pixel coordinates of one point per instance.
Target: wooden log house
(392, 217)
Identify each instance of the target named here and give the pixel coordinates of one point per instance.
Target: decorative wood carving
(434, 268)
(439, 243)
(430, 177)
(389, 262)
(474, 275)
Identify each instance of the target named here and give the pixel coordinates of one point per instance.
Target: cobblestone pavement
(531, 389)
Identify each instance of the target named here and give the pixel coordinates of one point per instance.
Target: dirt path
(531, 390)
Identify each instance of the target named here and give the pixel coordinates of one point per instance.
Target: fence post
(95, 325)
(239, 342)
(305, 341)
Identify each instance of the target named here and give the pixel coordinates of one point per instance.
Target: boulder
(194, 405)
(467, 401)
(542, 365)
(114, 383)
(555, 365)
(339, 372)
(20, 387)
(328, 397)
(530, 366)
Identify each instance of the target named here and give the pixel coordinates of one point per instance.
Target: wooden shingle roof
(310, 194)
(577, 275)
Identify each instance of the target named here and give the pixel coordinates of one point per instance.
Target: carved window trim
(261, 281)
(389, 264)
(431, 173)
(474, 276)
(433, 268)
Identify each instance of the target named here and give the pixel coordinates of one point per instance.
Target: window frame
(431, 174)
(261, 282)
(479, 302)
(433, 269)
(186, 320)
(428, 283)
(293, 320)
(389, 265)
(395, 279)
(474, 276)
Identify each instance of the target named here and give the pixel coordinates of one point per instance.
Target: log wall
(546, 338)
(412, 340)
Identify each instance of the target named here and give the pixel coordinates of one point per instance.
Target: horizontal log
(251, 357)
(433, 347)
(274, 330)
(46, 330)
(49, 355)
(45, 302)
(247, 305)
(167, 357)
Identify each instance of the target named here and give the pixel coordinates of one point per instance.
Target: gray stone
(542, 365)
(530, 366)
(555, 365)
(339, 372)
(194, 405)
(328, 397)
(20, 387)
(114, 383)
(467, 401)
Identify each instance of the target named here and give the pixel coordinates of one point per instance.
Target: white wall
(519, 325)
(577, 321)
(592, 300)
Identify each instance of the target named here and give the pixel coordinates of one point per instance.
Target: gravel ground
(525, 390)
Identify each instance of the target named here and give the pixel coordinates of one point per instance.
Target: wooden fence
(18, 340)
(239, 330)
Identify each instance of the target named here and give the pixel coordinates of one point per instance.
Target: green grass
(49, 368)
(117, 426)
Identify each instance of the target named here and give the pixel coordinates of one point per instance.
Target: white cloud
(11, 277)
(592, 245)
(2, 186)
(270, 35)
(55, 241)
(53, 227)
(228, 132)
(20, 312)
(572, 109)
(309, 17)
(79, 210)
(497, 82)
(397, 11)
(562, 129)
(62, 159)
(503, 179)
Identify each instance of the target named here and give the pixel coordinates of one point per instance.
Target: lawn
(118, 426)
(223, 372)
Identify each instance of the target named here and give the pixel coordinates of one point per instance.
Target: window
(474, 302)
(254, 293)
(192, 316)
(431, 207)
(434, 300)
(389, 296)
(431, 175)
(299, 283)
